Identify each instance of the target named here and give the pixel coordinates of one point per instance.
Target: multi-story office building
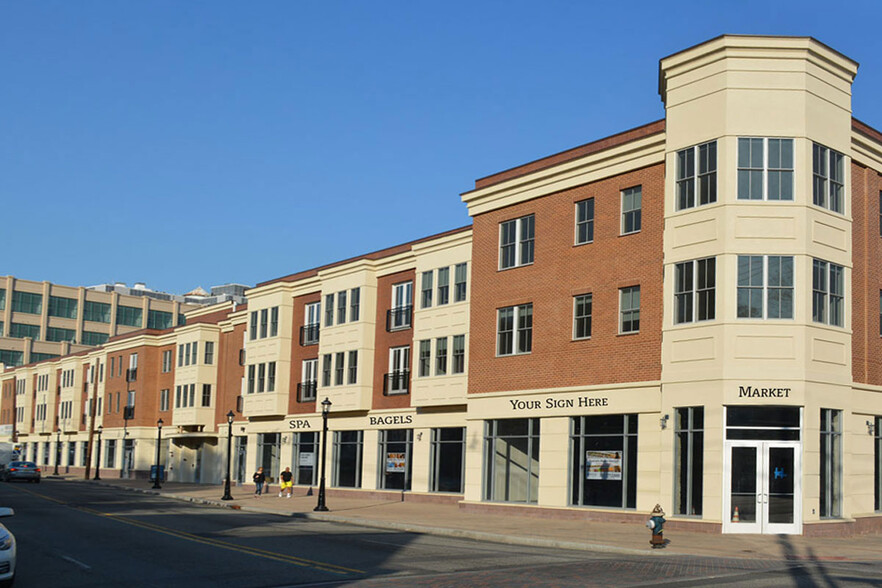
(41, 320)
(686, 313)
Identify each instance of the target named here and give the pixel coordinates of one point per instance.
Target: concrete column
(81, 312)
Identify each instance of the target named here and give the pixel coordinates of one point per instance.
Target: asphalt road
(76, 534)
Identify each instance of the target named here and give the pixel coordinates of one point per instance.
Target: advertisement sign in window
(603, 465)
(395, 462)
(307, 459)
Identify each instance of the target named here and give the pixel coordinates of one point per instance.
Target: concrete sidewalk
(449, 520)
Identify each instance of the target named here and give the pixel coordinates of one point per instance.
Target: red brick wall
(229, 373)
(145, 386)
(385, 340)
(866, 278)
(300, 353)
(562, 270)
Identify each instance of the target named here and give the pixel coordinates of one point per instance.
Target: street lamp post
(326, 408)
(57, 449)
(98, 453)
(230, 417)
(156, 484)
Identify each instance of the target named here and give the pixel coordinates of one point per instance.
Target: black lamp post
(156, 476)
(326, 408)
(98, 454)
(57, 449)
(230, 417)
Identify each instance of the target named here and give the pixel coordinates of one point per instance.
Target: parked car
(7, 551)
(21, 470)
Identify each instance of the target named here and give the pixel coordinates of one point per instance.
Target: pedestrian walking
(259, 480)
(286, 484)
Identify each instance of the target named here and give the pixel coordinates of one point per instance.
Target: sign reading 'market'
(751, 392)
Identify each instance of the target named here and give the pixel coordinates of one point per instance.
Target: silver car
(21, 470)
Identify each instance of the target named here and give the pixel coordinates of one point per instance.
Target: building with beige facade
(687, 313)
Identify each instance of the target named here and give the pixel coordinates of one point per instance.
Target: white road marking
(75, 562)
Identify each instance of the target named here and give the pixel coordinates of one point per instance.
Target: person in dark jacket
(259, 480)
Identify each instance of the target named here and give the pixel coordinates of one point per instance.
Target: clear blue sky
(177, 142)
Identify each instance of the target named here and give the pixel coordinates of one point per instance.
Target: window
(163, 399)
(585, 221)
(339, 368)
(516, 242)
(877, 461)
(97, 312)
(253, 327)
(512, 460)
(166, 361)
(129, 316)
(831, 463)
(443, 285)
(777, 290)
(20, 331)
(396, 453)
(426, 290)
(261, 377)
(193, 353)
(399, 317)
(441, 356)
(58, 334)
(765, 169)
(264, 323)
(347, 459)
(274, 321)
(209, 352)
(629, 309)
(631, 209)
(354, 302)
(447, 460)
(309, 333)
(827, 292)
(130, 398)
(688, 460)
(252, 370)
(27, 302)
(180, 357)
(110, 453)
(3, 293)
(308, 377)
(604, 460)
(271, 376)
(329, 310)
(425, 358)
(206, 395)
(157, 319)
(582, 316)
(341, 307)
(828, 178)
(514, 334)
(704, 182)
(353, 366)
(326, 369)
(458, 354)
(460, 272)
(397, 381)
(63, 307)
(694, 290)
(304, 460)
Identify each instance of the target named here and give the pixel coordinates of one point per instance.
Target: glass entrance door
(763, 493)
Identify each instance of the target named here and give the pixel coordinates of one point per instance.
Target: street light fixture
(98, 453)
(326, 408)
(230, 417)
(156, 476)
(57, 449)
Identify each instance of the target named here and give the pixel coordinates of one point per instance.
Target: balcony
(131, 374)
(306, 391)
(128, 413)
(309, 335)
(396, 383)
(399, 318)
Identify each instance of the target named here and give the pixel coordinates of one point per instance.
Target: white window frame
(638, 211)
(588, 222)
(522, 245)
(697, 178)
(765, 170)
(694, 290)
(630, 309)
(766, 289)
(589, 316)
(829, 157)
(832, 304)
(518, 333)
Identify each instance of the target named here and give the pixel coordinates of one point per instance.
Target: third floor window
(765, 169)
(697, 175)
(516, 242)
(828, 178)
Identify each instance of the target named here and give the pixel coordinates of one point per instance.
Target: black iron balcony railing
(241, 357)
(128, 413)
(309, 334)
(131, 374)
(399, 318)
(396, 383)
(306, 391)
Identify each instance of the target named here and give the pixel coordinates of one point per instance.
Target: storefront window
(688, 460)
(396, 449)
(347, 459)
(305, 452)
(110, 453)
(448, 459)
(512, 460)
(831, 463)
(604, 466)
(269, 448)
(878, 461)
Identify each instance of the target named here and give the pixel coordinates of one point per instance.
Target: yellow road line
(325, 567)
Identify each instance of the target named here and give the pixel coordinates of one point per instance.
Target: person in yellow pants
(286, 485)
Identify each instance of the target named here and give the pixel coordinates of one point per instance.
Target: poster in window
(395, 462)
(307, 459)
(603, 465)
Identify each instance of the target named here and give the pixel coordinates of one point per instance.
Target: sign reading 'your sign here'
(552, 402)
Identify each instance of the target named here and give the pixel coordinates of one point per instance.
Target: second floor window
(765, 169)
(827, 293)
(516, 242)
(697, 175)
(514, 333)
(695, 290)
(426, 289)
(341, 307)
(209, 352)
(329, 310)
(629, 309)
(582, 316)
(828, 178)
(765, 286)
(632, 202)
(402, 300)
(460, 278)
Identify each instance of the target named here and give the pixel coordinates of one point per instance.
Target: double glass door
(763, 493)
